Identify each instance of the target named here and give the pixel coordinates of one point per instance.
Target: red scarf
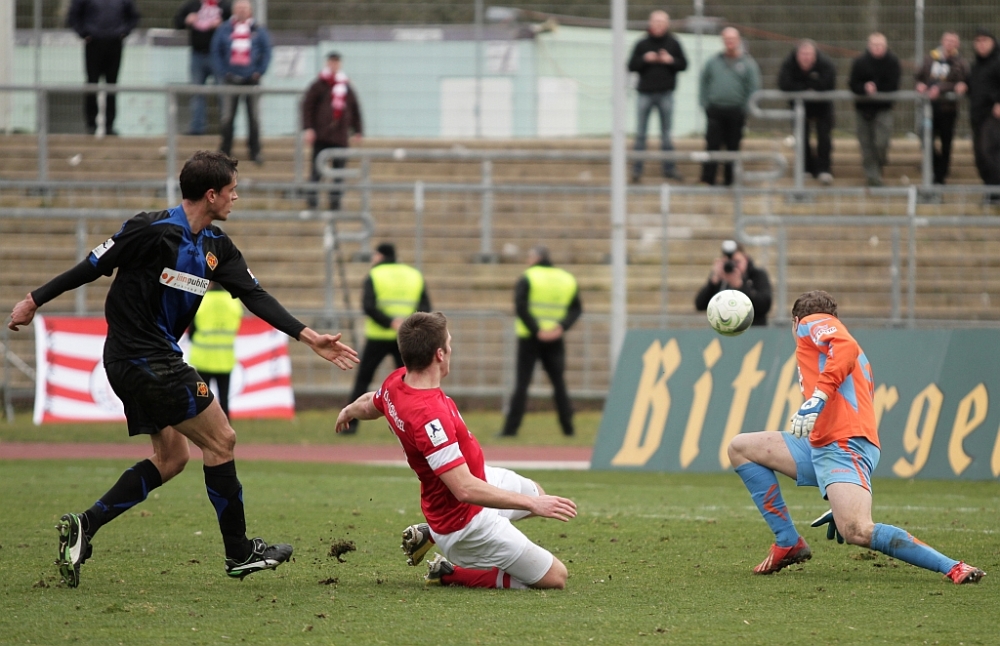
(239, 51)
(338, 90)
(209, 16)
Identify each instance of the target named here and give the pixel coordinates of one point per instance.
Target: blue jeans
(663, 102)
(201, 69)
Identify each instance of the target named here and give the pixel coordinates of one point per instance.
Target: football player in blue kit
(165, 261)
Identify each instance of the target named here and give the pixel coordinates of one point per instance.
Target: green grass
(316, 427)
(653, 558)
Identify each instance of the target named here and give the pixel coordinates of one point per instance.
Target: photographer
(735, 270)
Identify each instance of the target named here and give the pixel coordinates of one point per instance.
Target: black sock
(132, 488)
(226, 494)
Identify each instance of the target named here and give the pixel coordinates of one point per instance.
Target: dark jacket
(984, 85)
(200, 39)
(317, 113)
(885, 72)
(102, 18)
(756, 285)
(821, 78)
(944, 72)
(260, 53)
(657, 77)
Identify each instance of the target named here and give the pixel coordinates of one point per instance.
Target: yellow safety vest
(215, 326)
(550, 291)
(397, 293)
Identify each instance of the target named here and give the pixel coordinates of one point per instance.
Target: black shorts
(158, 392)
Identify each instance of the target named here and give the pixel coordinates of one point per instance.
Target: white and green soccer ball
(730, 312)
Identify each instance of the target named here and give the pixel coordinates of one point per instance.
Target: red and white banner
(72, 387)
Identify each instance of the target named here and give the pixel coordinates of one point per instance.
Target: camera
(729, 247)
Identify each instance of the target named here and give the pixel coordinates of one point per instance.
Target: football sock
(763, 487)
(492, 578)
(132, 488)
(899, 544)
(226, 494)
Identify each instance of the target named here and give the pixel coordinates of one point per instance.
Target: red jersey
(830, 359)
(435, 439)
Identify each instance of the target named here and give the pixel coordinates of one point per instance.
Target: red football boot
(963, 573)
(782, 557)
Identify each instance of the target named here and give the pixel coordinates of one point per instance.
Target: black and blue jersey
(163, 272)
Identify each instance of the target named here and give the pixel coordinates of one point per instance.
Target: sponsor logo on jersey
(212, 261)
(184, 281)
(102, 248)
(819, 331)
(202, 389)
(435, 432)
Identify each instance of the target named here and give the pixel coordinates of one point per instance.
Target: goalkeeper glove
(804, 420)
(831, 529)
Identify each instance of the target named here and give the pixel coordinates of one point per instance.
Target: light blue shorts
(852, 460)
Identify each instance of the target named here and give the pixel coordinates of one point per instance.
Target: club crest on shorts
(202, 389)
(435, 432)
(212, 261)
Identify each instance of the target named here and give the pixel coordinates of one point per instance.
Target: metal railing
(798, 117)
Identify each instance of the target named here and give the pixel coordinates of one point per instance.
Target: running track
(514, 457)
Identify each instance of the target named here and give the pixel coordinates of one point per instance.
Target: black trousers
(944, 129)
(222, 384)
(984, 145)
(230, 103)
(373, 354)
(818, 159)
(553, 357)
(103, 58)
(338, 163)
(725, 128)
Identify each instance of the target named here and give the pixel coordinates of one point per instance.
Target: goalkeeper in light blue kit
(833, 444)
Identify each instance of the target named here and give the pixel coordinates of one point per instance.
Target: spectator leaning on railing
(875, 71)
(808, 69)
(941, 77)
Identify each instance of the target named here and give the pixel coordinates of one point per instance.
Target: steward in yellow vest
(391, 293)
(547, 303)
(213, 337)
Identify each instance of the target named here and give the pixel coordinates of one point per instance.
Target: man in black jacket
(734, 269)
(944, 72)
(200, 18)
(875, 71)
(657, 59)
(808, 69)
(102, 26)
(984, 106)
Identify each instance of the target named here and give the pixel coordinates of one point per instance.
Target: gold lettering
(699, 405)
(787, 397)
(884, 399)
(648, 418)
(743, 385)
(995, 462)
(977, 402)
(919, 442)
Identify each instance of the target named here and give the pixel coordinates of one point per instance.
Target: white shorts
(510, 481)
(491, 541)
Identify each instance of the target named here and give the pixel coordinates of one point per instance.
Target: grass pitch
(653, 558)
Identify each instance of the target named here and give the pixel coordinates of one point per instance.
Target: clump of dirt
(341, 547)
(331, 581)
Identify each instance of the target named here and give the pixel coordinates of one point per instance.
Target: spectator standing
(547, 303)
(103, 25)
(808, 69)
(944, 72)
(201, 18)
(657, 59)
(241, 52)
(984, 106)
(877, 70)
(213, 340)
(734, 269)
(331, 118)
(727, 81)
(391, 293)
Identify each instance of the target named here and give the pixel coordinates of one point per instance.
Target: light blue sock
(763, 487)
(899, 544)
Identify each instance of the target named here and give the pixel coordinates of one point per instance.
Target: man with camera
(734, 269)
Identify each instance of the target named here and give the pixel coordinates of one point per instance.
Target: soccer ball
(730, 312)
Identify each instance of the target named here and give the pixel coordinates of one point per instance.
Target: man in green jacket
(547, 303)
(391, 293)
(213, 339)
(727, 81)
